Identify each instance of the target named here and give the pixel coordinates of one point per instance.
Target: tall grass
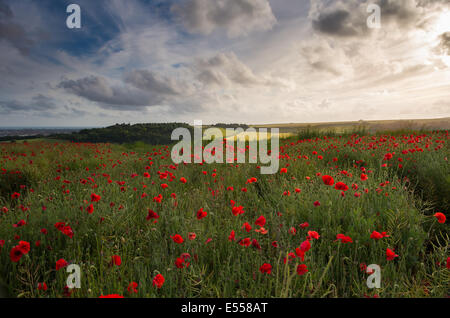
(398, 201)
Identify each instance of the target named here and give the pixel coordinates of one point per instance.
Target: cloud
(12, 32)
(97, 89)
(38, 103)
(349, 18)
(322, 57)
(337, 22)
(5, 10)
(155, 83)
(237, 17)
(324, 104)
(444, 45)
(226, 70)
(403, 12)
(315, 61)
(140, 90)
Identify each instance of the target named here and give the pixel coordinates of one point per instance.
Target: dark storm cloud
(399, 10)
(13, 32)
(97, 89)
(335, 23)
(38, 103)
(350, 19)
(140, 89)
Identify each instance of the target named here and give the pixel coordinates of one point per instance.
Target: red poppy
(152, 215)
(344, 239)
(61, 263)
(231, 237)
(293, 230)
(390, 255)
(364, 177)
(16, 254)
(265, 268)
(116, 260)
(245, 242)
(376, 235)
(177, 238)
(132, 288)
(313, 234)
(201, 214)
(440, 217)
(90, 208)
(341, 186)
(24, 246)
(300, 253)
(303, 225)
(95, 197)
(363, 267)
(328, 180)
(20, 223)
(247, 227)
(15, 195)
(302, 269)
(180, 263)
(237, 210)
(60, 225)
(305, 246)
(158, 281)
(68, 231)
(42, 286)
(261, 221)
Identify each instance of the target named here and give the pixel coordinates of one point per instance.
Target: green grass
(399, 201)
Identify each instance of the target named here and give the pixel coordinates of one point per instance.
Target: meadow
(140, 226)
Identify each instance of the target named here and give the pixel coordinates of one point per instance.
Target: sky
(222, 61)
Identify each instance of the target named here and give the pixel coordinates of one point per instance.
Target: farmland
(139, 225)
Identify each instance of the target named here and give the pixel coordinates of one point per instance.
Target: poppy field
(138, 225)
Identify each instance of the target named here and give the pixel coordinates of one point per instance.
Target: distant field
(370, 126)
(250, 135)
